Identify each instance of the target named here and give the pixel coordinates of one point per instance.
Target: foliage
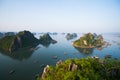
(88, 69)
(27, 38)
(20, 40)
(45, 39)
(6, 42)
(89, 40)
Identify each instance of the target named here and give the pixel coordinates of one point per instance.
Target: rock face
(46, 39)
(45, 71)
(20, 40)
(78, 69)
(71, 36)
(59, 62)
(72, 67)
(89, 41)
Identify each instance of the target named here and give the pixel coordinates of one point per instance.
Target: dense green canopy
(13, 42)
(89, 41)
(87, 69)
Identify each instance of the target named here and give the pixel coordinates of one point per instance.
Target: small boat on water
(35, 61)
(96, 57)
(12, 71)
(54, 57)
(42, 65)
(65, 53)
(107, 56)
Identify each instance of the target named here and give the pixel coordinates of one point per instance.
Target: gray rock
(59, 62)
(45, 71)
(72, 67)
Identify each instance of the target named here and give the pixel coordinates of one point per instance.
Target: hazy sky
(60, 15)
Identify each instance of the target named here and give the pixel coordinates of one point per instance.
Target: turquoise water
(28, 63)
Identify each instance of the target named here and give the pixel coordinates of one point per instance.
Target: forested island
(71, 36)
(11, 42)
(89, 40)
(83, 69)
(46, 39)
(23, 39)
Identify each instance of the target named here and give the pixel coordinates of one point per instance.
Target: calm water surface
(28, 63)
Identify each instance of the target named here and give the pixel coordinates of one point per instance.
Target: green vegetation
(45, 38)
(6, 42)
(13, 42)
(87, 69)
(27, 38)
(23, 39)
(89, 41)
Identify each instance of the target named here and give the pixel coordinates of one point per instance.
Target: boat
(54, 57)
(12, 71)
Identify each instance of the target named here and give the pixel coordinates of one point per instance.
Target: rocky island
(83, 69)
(71, 36)
(23, 39)
(89, 40)
(46, 39)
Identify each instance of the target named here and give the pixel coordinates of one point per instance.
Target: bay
(28, 63)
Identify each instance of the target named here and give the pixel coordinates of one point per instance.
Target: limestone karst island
(89, 41)
(23, 39)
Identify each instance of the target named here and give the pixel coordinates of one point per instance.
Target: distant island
(71, 36)
(89, 40)
(83, 69)
(46, 39)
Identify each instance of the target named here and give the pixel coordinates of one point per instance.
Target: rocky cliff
(83, 69)
(89, 40)
(46, 39)
(21, 40)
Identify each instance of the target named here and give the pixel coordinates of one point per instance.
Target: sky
(60, 15)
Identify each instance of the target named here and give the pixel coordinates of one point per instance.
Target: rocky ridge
(14, 42)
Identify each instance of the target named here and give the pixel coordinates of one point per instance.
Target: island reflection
(21, 54)
(85, 50)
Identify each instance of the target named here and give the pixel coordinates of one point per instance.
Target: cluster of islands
(24, 39)
(72, 69)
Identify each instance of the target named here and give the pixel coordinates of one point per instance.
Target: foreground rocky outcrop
(21, 40)
(71, 36)
(83, 69)
(89, 41)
